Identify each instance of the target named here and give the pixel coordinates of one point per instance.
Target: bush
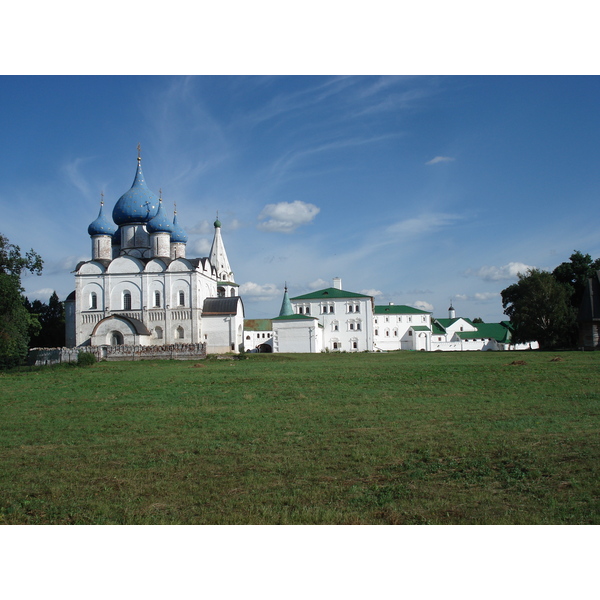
(85, 359)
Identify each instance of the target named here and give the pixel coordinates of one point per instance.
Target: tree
(539, 308)
(575, 274)
(51, 317)
(16, 324)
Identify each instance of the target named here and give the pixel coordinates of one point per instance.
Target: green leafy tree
(575, 274)
(16, 323)
(539, 308)
(51, 317)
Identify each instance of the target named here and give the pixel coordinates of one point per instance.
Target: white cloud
(43, 294)
(439, 159)
(256, 291)
(508, 271)
(423, 224)
(422, 305)
(319, 284)
(201, 247)
(374, 293)
(286, 217)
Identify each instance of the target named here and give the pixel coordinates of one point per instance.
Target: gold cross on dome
(139, 149)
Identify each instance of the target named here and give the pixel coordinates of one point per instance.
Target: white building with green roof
(401, 327)
(346, 318)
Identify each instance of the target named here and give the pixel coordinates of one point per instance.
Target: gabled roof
(420, 328)
(329, 293)
(495, 331)
(399, 309)
(258, 325)
(445, 323)
(221, 306)
(437, 329)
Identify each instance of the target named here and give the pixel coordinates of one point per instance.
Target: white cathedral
(139, 288)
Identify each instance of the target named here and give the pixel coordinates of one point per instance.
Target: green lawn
(396, 438)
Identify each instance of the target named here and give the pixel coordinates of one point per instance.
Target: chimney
(337, 283)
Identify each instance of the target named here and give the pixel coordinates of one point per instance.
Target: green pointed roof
(286, 305)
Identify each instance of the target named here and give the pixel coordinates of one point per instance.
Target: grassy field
(397, 438)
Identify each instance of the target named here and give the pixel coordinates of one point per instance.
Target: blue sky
(416, 189)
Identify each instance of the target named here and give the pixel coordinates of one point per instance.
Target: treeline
(24, 324)
(543, 305)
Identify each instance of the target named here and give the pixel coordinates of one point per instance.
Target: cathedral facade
(140, 288)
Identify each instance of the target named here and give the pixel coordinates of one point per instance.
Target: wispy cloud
(423, 224)
(374, 293)
(200, 247)
(478, 297)
(507, 272)
(439, 159)
(286, 217)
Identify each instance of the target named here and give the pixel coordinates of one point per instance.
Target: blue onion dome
(178, 235)
(101, 226)
(139, 204)
(160, 223)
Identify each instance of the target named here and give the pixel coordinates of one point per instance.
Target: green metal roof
(437, 328)
(399, 309)
(286, 305)
(295, 318)
(420, 328)
(329, 293)
(496, 331)
(257, 325)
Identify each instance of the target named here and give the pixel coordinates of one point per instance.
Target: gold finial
(175, 205)
(160, 194)
(101, 198)
(139, 149)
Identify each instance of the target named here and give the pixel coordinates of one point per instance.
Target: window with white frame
(126, 300)
(181, 298)
(93, 301)
(157, 299)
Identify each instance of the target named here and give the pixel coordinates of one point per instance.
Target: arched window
(181, 298)
(179, 333)
(232, 293)
(221, 292)
(93, 301)
(116, 338)
(126, 301)
(159, 333)
(157, 299)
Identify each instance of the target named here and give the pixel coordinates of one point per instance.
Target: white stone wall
(224, 333)
(297, 336)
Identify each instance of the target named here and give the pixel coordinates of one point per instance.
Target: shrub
(85, 359)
